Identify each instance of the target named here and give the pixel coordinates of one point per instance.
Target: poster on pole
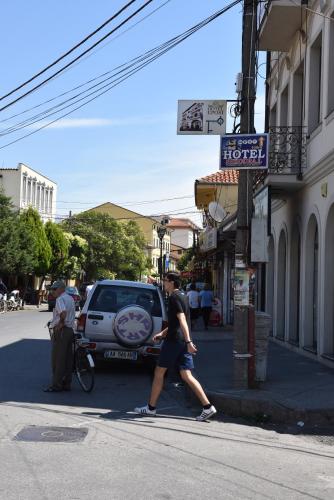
(241, 287)
(244, 151)
(201, 117)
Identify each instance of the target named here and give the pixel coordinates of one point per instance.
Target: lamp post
(161, 234)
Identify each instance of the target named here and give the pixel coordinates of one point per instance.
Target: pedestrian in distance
(3, 288)
(62, 339)
(193, 298)
(177, 351)
(206, 298)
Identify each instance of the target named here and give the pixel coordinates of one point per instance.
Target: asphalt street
(122, 456)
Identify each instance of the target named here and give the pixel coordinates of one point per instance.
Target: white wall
(182, 237)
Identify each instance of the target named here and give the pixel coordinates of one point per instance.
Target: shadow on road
(25, 371)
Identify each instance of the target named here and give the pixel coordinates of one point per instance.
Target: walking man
(177, 351)
(62, 339)
(206, 299)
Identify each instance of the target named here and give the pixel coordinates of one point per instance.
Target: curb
(261, 409)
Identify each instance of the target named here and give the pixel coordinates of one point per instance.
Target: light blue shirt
(206, 297)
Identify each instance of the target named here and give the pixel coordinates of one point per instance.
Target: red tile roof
(182, 223)
(222, 177)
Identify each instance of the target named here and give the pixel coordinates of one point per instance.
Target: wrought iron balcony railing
(287, 150)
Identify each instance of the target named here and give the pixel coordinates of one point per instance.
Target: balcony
(280, 20)
(287, 161)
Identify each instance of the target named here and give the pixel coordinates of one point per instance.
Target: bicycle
(83, 363)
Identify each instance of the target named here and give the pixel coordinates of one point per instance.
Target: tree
(59, 245)
(186, 260)
(15, 240)
(114, 248)
(40, 249)
(77, 254)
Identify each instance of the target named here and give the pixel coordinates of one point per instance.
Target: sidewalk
(297, 388)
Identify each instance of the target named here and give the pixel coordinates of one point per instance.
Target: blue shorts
(175, 355)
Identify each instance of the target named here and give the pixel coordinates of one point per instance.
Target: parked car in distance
(121, 318)
(73, 291)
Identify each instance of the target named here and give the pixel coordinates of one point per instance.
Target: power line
(128, 203)
(78, 57)
(143, 58)
(87, 56)
(167, 46)
(68, 52)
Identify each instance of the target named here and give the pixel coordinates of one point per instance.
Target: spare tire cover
(133, 325)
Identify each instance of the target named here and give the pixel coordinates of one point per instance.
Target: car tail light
(164, 325)
(81, 324)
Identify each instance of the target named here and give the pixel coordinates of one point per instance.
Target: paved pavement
(297, 388)
(128, 457)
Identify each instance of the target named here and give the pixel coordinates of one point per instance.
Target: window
(314, 117)
(330, 93)
(298, 97)
(113, 298)
(50, 201)
(29, 192)
(284, 107)
(24, 194)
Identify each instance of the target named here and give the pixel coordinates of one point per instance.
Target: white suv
(121, 318)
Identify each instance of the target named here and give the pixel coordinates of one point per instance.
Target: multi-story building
(299, 39)
(192, 118)
(28, 188)
(149, 227)
(183, 232)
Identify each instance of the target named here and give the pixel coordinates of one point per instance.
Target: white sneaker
(206, 414)
(144, 410)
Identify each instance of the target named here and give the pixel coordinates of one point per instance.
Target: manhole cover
(52, 434)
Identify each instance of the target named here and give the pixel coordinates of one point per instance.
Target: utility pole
(245, 189)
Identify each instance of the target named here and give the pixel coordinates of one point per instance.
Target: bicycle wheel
(83, 369)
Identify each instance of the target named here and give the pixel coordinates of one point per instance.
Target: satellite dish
(216, 211)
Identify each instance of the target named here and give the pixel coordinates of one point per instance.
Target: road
(128, 457)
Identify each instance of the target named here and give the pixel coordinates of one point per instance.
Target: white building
(28, 188)
(182, 232)
(300, 93)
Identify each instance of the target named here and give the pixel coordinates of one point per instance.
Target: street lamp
(162, 229)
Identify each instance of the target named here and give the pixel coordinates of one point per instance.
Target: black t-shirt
(177, 303)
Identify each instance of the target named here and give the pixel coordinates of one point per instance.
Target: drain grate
(34, 433)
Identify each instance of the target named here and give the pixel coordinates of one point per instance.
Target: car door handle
(95, 316)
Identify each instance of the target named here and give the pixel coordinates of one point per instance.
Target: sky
(122, 147)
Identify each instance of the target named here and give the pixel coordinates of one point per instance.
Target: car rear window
(108, 298)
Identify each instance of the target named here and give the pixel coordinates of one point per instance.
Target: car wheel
(133, 326)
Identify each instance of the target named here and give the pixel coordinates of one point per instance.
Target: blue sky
(122, 147)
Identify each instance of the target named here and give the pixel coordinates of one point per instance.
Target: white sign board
(208, 239)
(201, 117)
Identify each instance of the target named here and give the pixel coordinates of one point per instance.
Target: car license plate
(121, 355)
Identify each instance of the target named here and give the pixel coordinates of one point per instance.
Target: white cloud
(105, 122)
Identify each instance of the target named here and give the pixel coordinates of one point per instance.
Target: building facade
(149, 227)
(28, 188)
(183, 232)
(299, 40)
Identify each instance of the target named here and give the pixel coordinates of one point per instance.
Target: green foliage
(40, 249)
(15, 241)
(77, 254)
(113, 248)
(59, 248)
(186, 259)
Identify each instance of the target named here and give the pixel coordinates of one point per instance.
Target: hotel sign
(201, 117)
(241, 151)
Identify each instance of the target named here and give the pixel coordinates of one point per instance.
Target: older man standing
(62, 339)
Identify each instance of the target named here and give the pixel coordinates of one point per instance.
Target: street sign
(244, 151)
(201, 117)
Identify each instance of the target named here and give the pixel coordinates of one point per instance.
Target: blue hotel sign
(244, 151)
